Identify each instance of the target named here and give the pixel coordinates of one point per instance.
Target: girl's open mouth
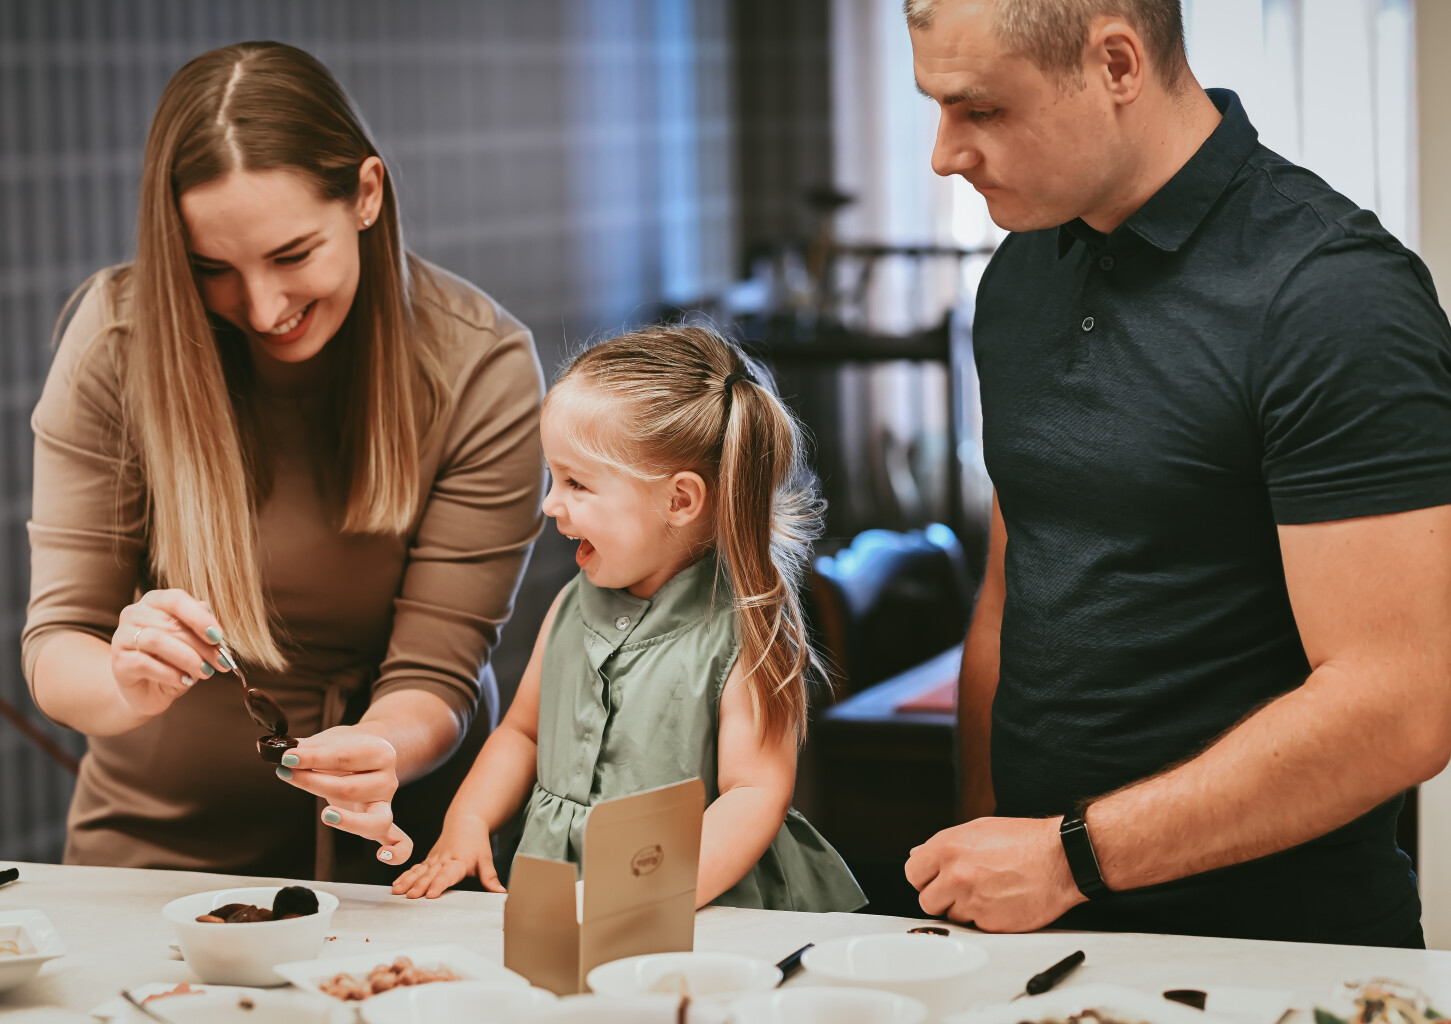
(582, 554)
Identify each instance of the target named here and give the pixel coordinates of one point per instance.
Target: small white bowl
(458, 1002)
(244, 954)
(597, 1009)
(707, 977)
(827, 1006)
(36, 937)
(932, 968)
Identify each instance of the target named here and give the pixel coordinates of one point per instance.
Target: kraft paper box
(641, 854)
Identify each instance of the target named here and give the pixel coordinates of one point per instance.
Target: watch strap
(1082, 861)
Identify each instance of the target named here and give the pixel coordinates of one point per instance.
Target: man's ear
(685, 495)
(1115, 53)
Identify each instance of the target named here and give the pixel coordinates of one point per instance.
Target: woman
(276, 427)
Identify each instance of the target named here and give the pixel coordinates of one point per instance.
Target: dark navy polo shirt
(1249, 349)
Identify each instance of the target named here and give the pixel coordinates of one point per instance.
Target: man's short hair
(1052, 33)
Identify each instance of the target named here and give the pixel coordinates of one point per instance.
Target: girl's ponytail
(767, 514)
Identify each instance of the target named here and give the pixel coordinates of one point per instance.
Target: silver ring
(136, 639)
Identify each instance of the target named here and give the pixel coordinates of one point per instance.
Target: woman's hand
(356, 772)
(462, 850)
(162, 645)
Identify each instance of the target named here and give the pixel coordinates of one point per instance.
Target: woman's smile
(293, 328)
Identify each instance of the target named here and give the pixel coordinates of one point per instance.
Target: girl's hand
(356, 772)
(462, 850)
(162, 645)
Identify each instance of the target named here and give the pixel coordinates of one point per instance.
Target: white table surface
(111, 923)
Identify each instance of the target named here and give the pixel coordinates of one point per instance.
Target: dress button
(623, 622)
(1087, 326)
(1105, 262)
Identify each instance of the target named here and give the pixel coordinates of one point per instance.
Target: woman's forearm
(738, 829)
(74, 686)
(421, 726)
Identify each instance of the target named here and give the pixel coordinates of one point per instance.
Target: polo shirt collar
(1174, 212)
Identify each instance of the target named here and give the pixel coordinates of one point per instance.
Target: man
(1216, 624)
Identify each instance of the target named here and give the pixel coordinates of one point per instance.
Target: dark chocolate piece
(297, 900)
(273, 747)
(1188, 996)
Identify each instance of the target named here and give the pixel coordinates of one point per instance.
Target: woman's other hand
(163, 644)
(356, 772)
(462, 850)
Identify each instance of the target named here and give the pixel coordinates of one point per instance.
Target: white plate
(826, 1006)
(652, 1009)
(937, 970)
(38, 941)
(309, 974)
(1123, 1004)
(707, 977)
(458, 1002)
(225, 1004)
(1240, 1004)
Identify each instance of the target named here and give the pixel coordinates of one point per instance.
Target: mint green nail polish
(285, 774)
(207, 670)
(290, 760)
(331, 817)
(214, 634)
(224, 661)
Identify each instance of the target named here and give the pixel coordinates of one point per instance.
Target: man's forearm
(976, 688)
(978, 681)
(1310, 761)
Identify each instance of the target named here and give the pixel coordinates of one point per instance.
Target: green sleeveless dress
(629, 700)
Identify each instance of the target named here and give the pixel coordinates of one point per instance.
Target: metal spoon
(141, 1005)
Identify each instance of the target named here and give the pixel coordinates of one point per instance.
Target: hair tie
(744, 373)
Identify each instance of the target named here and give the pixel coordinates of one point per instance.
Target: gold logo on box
(647, 860)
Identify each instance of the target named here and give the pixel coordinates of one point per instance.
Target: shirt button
(1105, 262)
(1087, 326)
(623, 622)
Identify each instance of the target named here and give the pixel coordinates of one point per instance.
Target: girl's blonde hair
(680, 397)
(187, 379)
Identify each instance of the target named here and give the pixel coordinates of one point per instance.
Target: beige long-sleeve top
(363, 615)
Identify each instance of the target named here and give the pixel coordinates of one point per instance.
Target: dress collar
(617, 616)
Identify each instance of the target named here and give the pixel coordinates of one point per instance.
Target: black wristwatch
(1082, 861)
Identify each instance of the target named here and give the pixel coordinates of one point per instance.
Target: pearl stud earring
(368, 222)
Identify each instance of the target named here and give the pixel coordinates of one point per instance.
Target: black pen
(792, 963)
(1040, 983)
(9, 875)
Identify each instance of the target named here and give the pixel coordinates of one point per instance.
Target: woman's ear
(685, 494)
(370, 192)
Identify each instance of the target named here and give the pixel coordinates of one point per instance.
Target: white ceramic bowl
(932, 968)
(827, 1006)
(37, 940)
(244, 954)
(706, 977)
(458, 1002)
(597, 1009)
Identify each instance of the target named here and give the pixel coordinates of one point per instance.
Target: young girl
(679, 650)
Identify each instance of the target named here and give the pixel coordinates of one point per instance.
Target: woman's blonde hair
(187, 379)
(680, 397)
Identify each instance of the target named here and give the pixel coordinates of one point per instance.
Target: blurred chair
(890, 601)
